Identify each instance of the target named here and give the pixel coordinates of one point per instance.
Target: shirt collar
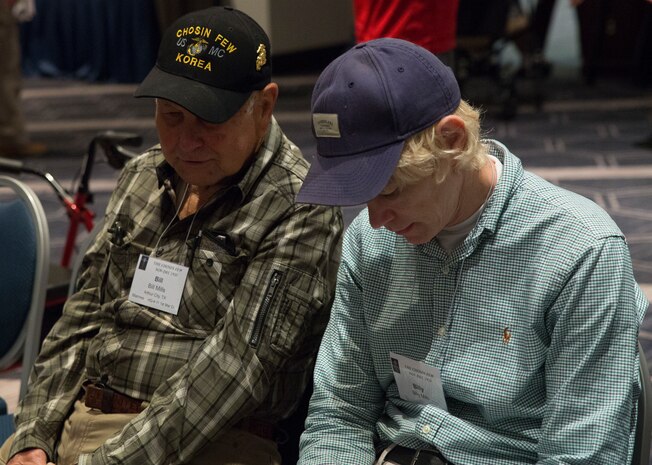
(510, 179)
(263, 158)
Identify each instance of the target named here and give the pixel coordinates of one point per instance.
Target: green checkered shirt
(243, 344)
(537, 347)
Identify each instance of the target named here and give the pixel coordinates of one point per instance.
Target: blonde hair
(424, 152)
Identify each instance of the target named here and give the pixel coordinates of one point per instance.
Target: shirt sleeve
(347, 398)
(289, 284)
(58, 373)
(592, 368)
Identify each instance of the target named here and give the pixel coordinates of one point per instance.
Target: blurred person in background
(13, 137)
(644, 64)
(642, 55)
(431, 24)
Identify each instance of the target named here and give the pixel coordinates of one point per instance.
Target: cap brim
(208, 103)
(350, 180)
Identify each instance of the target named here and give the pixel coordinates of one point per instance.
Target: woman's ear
(452, 131)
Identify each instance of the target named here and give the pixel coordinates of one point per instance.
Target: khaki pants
(87, 429)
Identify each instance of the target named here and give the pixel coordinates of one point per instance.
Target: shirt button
(426, 429)
(442, 331)
(445, 270)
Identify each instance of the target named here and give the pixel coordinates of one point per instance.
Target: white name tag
(158, 284)
(417, 382)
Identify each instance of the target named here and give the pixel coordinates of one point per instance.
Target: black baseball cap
(209, 62)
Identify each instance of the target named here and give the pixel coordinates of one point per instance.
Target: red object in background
(431, 24)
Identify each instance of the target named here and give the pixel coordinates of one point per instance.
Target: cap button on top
(360, 45)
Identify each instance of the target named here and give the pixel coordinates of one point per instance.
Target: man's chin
(411, 234)
(417, 241)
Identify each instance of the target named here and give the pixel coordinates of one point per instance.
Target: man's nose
(379, 214)
(190, 137)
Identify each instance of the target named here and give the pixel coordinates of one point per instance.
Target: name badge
(158, 284)
(418, 382)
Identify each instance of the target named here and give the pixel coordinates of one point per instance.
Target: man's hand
(30, 457)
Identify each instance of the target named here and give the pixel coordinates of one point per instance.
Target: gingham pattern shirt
(537, 348)
(243, 344)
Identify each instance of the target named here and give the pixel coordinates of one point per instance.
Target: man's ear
(452, 131)
(266, 100)
(268, 96)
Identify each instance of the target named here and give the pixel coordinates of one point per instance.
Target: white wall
(296, 25)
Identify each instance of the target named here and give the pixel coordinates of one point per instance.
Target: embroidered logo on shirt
(507, 335)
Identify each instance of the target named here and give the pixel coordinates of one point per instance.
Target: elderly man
(202, 302)
(482, 315)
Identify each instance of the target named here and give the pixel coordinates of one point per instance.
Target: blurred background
(567, 88)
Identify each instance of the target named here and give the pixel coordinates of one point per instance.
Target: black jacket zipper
(264, 309)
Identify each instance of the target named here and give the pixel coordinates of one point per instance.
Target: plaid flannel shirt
(255, 303)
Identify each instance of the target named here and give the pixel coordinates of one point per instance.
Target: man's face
(203, 153)
(419, 211)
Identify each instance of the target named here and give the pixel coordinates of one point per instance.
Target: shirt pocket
(212, 280)
(290, 313)
(120, 268)
(293, 321)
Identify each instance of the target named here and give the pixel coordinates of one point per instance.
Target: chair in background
(25, 244)
(644, 421)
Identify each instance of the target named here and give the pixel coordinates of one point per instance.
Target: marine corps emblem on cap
(197, 47)
(261, 57)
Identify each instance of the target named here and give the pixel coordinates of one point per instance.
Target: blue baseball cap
(365, 104)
